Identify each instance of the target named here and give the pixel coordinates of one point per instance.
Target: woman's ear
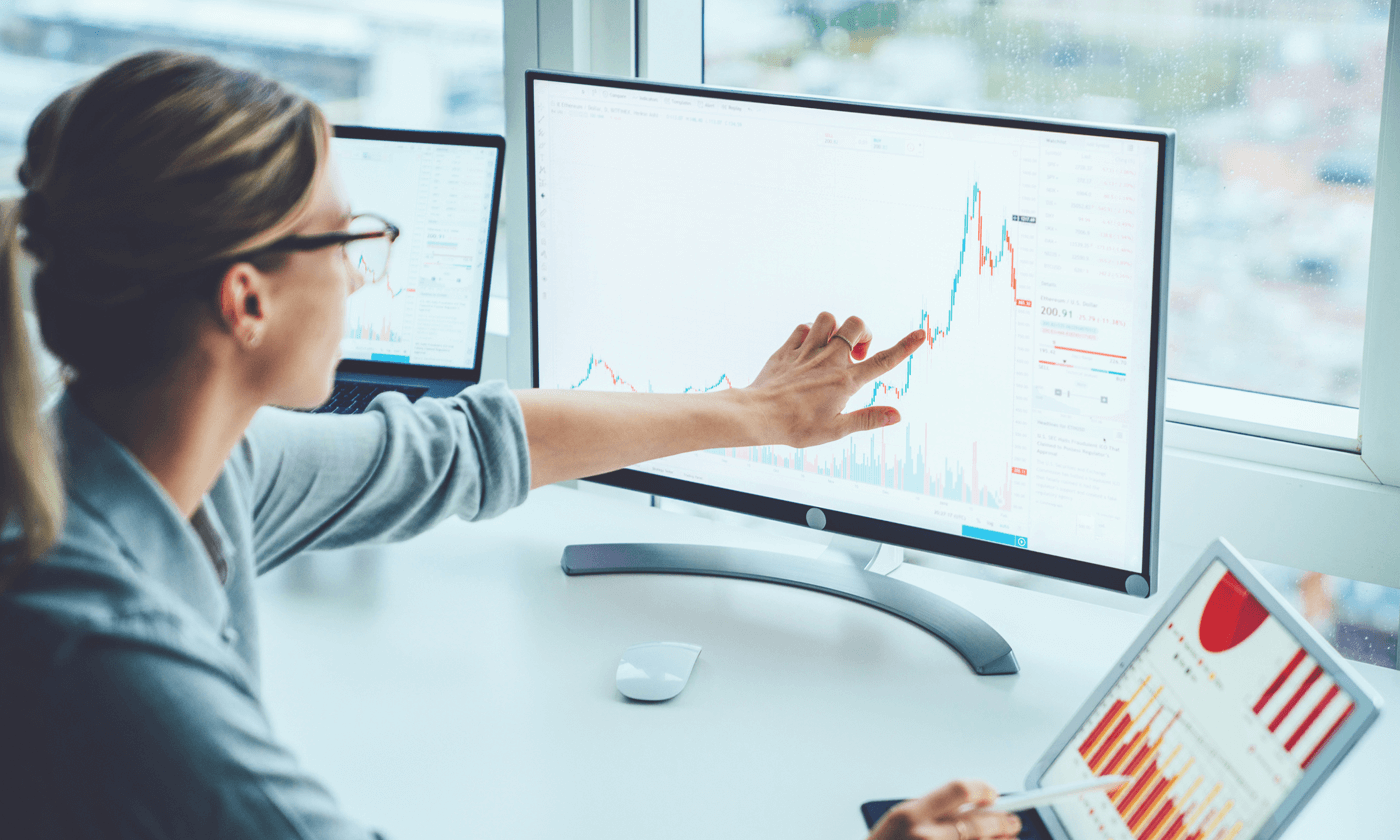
(242, 303)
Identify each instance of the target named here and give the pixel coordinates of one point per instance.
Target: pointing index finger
(884, 361)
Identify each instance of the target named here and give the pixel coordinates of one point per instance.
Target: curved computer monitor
(678, 234)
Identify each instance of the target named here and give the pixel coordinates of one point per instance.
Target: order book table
(470, 692)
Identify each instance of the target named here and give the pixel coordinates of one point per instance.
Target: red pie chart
(1231, 615)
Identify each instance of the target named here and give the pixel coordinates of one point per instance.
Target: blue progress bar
(993, 536)
(1114, 372)
(387, 357)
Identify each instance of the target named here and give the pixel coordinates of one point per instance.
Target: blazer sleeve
(321, 481)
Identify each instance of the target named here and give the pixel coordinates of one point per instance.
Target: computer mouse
(656, 671)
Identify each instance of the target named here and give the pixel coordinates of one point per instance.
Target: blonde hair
(31, 495)
(138, 184)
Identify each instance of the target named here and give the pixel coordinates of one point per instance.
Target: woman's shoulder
(85, 590)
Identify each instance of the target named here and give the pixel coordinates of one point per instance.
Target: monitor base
(971, 637)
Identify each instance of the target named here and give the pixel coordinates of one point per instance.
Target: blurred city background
(432, 64)
(1277, 105)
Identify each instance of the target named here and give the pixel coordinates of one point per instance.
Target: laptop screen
(440, 196)
(1217, 720)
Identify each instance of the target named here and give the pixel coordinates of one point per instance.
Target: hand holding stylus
(956, 811)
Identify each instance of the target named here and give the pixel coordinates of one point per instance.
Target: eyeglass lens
(369, 257)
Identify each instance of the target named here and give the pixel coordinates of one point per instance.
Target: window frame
(1302, 484)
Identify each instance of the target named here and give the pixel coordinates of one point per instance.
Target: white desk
(472, 694)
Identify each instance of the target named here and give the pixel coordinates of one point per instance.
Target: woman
(188, 231)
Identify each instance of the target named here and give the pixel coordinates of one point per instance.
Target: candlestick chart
(963, 454)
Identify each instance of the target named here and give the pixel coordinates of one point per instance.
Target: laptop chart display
(1217, 720)
(427, 309)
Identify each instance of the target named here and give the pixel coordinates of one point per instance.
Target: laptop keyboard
(352, 397)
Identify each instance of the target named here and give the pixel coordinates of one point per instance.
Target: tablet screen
(1216, 720)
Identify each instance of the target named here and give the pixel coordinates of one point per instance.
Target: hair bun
(134, 179)
(34, 216)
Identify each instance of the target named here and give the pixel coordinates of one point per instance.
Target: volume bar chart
(870, 461)
(384, 331)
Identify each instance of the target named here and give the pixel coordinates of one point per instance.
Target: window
(1361, 620)
(1277, 106)
(431, 64)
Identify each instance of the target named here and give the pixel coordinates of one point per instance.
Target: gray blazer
(129, 700)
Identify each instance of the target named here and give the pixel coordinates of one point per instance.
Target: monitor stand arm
(880, 558)
(971, 637)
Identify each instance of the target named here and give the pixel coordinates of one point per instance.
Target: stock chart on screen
(1216, 721)
(681, 238)
(426, 310)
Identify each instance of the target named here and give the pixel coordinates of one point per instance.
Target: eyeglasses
(365, 243)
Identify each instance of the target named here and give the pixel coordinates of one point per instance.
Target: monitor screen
(1217, 720)
(679, 234)
(440, 195)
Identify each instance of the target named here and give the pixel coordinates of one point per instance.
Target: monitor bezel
(1368, 702)
(1141, 582)
(439, 138)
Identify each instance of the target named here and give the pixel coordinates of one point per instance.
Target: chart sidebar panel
(1216, 721)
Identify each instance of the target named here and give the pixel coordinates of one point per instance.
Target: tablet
(1228, 711)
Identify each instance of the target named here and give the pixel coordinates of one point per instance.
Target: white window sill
(1264, 415)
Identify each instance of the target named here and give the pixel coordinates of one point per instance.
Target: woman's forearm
(797, 399)
(573, 434)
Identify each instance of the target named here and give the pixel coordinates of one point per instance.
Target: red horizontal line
(1091, 352)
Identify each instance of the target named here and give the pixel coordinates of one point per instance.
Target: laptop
(422, 330)
(1228, 712)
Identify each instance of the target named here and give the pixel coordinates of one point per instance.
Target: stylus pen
(1050, 795)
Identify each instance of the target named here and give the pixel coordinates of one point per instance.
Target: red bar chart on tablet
(1171, 796)
(1215, 721)
(1301, 705)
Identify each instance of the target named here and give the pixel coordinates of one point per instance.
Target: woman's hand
(950, 813)
(803, 389)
